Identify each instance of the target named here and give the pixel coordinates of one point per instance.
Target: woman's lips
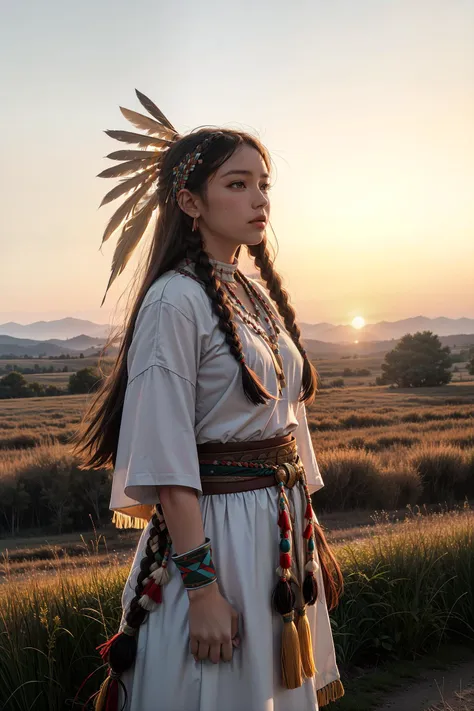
(259, 223)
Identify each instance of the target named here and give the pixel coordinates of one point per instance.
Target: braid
(253, 388)
(121, 650)
(136, 614)
(273, 282)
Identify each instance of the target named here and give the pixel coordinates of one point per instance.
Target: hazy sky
(367, 108)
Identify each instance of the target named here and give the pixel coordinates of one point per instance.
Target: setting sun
(358, 322)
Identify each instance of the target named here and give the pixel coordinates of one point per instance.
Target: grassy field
(58, 363)
(394, 463)
(408, 590)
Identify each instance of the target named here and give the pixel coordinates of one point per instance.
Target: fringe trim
(331, 692)
(122, 520)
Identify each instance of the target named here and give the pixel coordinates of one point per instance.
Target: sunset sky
(367, 108)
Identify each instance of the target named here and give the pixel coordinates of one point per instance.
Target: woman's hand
(213, 625)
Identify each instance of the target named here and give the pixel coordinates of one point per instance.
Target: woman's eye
(265, 186)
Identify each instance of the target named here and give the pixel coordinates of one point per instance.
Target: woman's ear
(188, 203)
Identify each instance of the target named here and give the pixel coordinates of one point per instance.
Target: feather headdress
(141, 168)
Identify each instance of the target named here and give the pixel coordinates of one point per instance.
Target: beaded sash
(236, 461)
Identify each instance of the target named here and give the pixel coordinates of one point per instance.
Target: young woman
(204, 421)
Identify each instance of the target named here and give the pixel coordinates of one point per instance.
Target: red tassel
(285, 560)
(284, 521)
(104, 648)
(112, 696)
(309, 511)
(153, 591)
(308, 531)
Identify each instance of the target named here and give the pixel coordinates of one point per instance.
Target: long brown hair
(96, 440)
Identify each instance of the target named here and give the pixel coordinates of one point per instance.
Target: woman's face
(237, 194)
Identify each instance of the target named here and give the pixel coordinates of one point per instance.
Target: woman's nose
(262, 200)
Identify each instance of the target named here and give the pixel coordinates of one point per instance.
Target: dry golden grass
(377, 447)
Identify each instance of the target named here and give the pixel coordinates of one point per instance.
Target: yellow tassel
(122, 520)
(290, 653)
(101, 698)
(306, 647)
(331, 692)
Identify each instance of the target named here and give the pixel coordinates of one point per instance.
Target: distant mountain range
(87, 345)
(47, 330)
(73, 336)
(387, 330)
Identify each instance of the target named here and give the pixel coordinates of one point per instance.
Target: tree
(84, 381)
(418, 360)
(470, 366)
(57, 498)
(14, 385)
(13, 501)
(54, 390)
(37, 388)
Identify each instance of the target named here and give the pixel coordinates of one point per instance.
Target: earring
(195, 224)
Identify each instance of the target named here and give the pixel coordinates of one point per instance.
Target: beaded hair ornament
(142, 169)
(181, 172)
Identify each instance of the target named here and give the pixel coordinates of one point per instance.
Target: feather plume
(124, 210)
(126, 185)
(154, 111)
(130, 166)
(138, 138)
(147, 124)
(133, 155)
(144, 166)
(130, 237)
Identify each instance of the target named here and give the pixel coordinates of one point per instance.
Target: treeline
(32, 371)
(43, 356)
(15, 385)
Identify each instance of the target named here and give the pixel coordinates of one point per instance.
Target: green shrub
(443, 472)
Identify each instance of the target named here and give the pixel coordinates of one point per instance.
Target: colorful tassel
(104, 648)
(152, 594)
(101, 698)
(284, 520)
(306, 648)
(331, 692)
(284, 600)
(290, 653)
(112, 696)
(309, 590)
(107, 698)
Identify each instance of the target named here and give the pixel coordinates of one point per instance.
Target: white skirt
(245, 539)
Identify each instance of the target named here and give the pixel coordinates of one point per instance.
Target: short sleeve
(157, 442)
(306, 450)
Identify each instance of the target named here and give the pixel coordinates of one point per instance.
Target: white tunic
(184, 388)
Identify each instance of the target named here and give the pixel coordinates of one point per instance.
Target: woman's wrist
(203, 592)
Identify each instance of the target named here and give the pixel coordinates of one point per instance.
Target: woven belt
(229, 468)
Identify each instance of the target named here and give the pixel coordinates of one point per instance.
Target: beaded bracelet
(196, 566)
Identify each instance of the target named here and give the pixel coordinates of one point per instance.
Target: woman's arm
(213, 623)
(183, 517)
